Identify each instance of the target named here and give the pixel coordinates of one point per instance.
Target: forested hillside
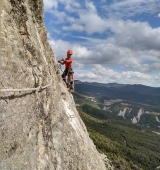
(134, 93)
(128, 145)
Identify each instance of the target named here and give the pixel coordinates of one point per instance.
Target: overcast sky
(112, 40)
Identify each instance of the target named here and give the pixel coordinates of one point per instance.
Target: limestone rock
(38, 129)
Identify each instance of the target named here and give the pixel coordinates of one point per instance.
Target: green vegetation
(129, 146)
(147, 119)
(80, 99)
(150, 121)
(134, 93)
(126, 144)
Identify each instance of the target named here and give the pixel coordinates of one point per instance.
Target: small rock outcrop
(40, 127)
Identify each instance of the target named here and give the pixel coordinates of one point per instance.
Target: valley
(126, 131)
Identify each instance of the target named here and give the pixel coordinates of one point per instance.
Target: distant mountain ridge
(136, 93)
(139, 88)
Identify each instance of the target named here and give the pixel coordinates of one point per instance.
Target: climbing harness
(70, 79)
(69, 76)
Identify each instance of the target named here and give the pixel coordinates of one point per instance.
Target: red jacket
(67, 65)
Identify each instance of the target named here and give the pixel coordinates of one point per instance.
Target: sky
(113, 41)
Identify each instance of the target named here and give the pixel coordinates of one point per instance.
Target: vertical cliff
(39, 124)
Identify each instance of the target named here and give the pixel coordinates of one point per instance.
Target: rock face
(39, 129)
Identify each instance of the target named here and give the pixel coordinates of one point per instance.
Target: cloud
(137, 35)
(133, 35)
(85, 18)
(68, 5)
(49, 4)
(107, 75)
(130, 8)
(92, 23)
(122, 42)
(88, 20)
(58, 17)
(107, 53)
(130, 34)
(77, 66)
(60, 48)
(159, 15)
(75, 26)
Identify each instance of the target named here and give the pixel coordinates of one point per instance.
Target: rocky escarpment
(39, 124)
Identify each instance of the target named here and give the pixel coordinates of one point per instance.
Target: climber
(68, 71)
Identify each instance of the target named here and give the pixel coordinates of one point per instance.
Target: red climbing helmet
(69, 52)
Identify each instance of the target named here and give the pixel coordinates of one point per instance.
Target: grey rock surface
(39, 130)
